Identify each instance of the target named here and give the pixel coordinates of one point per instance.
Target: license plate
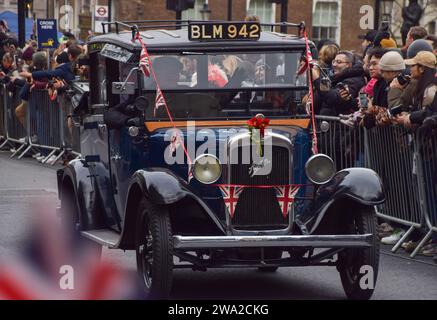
(224, 31)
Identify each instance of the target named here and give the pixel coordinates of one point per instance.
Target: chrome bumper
(314, 241)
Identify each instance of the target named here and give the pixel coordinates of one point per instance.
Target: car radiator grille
(259, 208)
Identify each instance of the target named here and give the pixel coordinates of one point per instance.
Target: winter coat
(63, 71)
(380, 93)
(427, 107)
(330, 102)
(402, 97)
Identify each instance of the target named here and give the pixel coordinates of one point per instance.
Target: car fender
(360, 185)
(162, 187)
(84, 190)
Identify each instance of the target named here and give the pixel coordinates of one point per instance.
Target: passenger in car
(168, 72)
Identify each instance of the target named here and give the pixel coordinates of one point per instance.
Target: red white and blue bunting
(284, 193)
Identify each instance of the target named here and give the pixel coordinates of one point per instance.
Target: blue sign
(47, 33)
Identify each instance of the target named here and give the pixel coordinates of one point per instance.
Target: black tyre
(154, 250)
(271, 254)
(352, 261)
(70, 219)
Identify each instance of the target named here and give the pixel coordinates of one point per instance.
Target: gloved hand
(425, 130)
(132, 110)
(134, 122)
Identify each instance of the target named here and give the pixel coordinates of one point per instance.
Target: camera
(342, 86)
(396, 110)
(403, 79)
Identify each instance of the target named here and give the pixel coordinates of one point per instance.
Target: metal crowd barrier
(43, 118)
(14, 133)
(49, 128)
(427, 175)
(400, 159)
(345, 145)
(2, 117)
(70, 127)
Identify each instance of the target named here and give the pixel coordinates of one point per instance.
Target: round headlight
(207, 169)
(320, 169)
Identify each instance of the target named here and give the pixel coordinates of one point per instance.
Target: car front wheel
(154, 250)
(359, 267)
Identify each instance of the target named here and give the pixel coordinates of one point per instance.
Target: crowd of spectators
(398, 84)
(23, 70)
(385, 85)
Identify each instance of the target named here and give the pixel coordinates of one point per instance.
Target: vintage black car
(178, 182)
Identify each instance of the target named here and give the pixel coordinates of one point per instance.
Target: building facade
(38, 8)
(337, 20)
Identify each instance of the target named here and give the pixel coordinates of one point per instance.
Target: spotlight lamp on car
(207, 169)
(320, 169)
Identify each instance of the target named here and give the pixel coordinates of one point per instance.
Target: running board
(105, 237)
(312, 241)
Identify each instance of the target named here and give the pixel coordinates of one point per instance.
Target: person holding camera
(403, 87)
(423, 70)
(392, 67)
(346, 83)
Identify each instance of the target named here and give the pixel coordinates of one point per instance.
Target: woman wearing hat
(423, 69)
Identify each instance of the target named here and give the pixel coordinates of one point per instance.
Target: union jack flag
(190, 172)
(159, 100)
(231, 194)
(145, 62)
(308, 58)
(285, 196)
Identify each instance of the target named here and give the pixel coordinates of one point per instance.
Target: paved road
(22, 182)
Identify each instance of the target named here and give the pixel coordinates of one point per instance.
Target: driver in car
(123, 114)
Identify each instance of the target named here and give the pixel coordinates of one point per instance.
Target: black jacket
(380, 93)
(117, 116)
(330, 102)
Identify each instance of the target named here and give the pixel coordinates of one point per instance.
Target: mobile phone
(363, 100)
(18, 63)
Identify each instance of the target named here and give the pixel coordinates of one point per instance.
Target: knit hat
(39, 60)
(28, 53)
(392, 61)
(388, 43)
(417, 46)
(423, 58)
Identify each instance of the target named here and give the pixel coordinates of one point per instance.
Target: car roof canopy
(163, 36)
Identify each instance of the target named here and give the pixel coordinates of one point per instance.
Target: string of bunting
(309, 58)
(160, 101)
(285, 195)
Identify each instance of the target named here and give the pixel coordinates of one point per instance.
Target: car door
(95, 141)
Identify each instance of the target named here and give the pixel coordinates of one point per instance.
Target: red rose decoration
(259, 123)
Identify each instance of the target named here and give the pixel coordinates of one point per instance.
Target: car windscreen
(224, 85)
